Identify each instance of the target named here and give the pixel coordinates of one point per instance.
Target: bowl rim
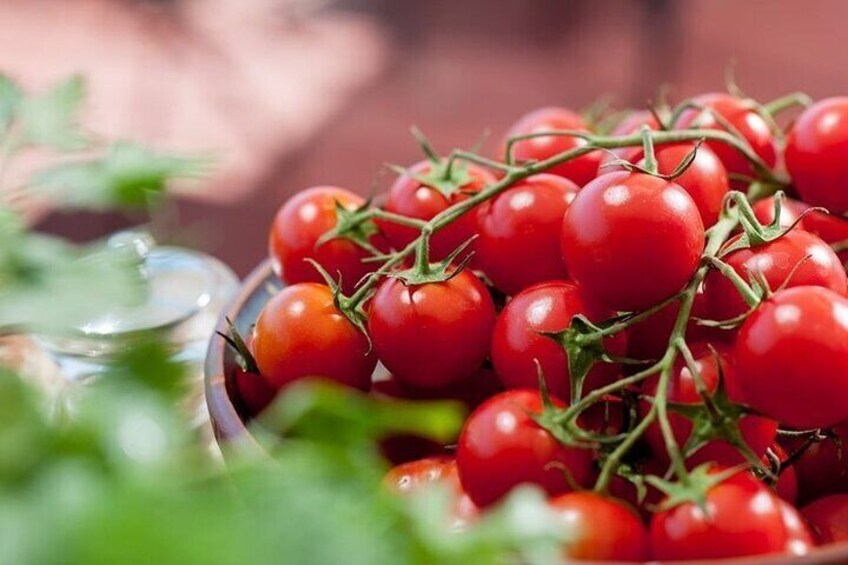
(230, 428)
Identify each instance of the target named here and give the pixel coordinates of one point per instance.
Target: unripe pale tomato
(631, 240)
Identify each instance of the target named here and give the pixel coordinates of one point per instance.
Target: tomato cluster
(664, 358)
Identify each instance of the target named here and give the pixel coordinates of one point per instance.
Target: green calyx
(355, 225)
(701, 480)
(244, 358)
(425, 272)
(352, 309)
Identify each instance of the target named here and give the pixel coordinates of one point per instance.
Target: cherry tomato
(600, 528)
(519, 233)
(632, 240)
(743, 118)
(580, 170)
(799, 258)
(828, 518)
(790, 212)
(792, 357)
(817, 154)
(432, 335)
(254, 390)
(408, 196)
(823, 468)
(517, 341)
(705, 180)
(832, 229)
(300, 333)
(742, 518)
(799, 537)
(401, 448)
(628, 126)
(298, 226)
(472, 392)
(415, 476)
(501, 446)
(757, 432)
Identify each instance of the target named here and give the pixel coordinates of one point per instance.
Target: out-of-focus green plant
(117, 476)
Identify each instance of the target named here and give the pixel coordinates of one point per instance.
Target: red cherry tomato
(832, 229)
(519, 233)
(432, 335)
(743, 118)
(823, 467)
(790, 212)
(580, 170)
(517, 341)
(799, 258)
(758, 432)
(632, 240)
(799, 538)
(415, 476)
(828, 518)
(705, 180)
(801, 390)
(409, 197)
(817, 154)
(628, 126)
(742, 518)
(472, 392)
(300, 333)
(600, 528)
(254, 390)
(501, 446)
(298, 226)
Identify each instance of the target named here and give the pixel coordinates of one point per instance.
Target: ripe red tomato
(828, 518)
(517, 341)
(432, 335)
(628, 126)
(580, 170)
(789, 212)
(758, 432)
(519, 232)
(501, 446)
(409, 197)
(300, 333)
(832, 229)
(817, 154)
(823, 468)
(705, 180)
(743, 118)
(817, 265)
(742, 518)
(600, 528)
(792, 357)
(799, 538)
(415, 476)
(298, 226)
(254, 390)
(632, 240)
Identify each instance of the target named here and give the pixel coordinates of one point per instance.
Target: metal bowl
(230, 417)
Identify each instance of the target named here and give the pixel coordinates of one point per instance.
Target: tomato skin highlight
(298, 226)
(758, 432)
(631, 240)
(817, 154)
(519, 232)
(817, 265)
(409, 197)
(743, 518)
(828, 518)
(803, 392)
(601, 528)
(580, 170)
(517, 341)
(501, 446)
(799, 537)
(300, 333)
(432, 335)
(741, 117)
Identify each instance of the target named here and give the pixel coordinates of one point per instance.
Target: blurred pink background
(290, 93)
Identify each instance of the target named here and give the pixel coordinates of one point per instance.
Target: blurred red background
(291, 93)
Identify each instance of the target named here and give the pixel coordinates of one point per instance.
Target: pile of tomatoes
(667, 360)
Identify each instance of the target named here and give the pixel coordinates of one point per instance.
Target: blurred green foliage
(115, 474)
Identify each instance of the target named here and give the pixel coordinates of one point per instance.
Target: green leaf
(10, 98)
(126, 176)
(52, 118)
